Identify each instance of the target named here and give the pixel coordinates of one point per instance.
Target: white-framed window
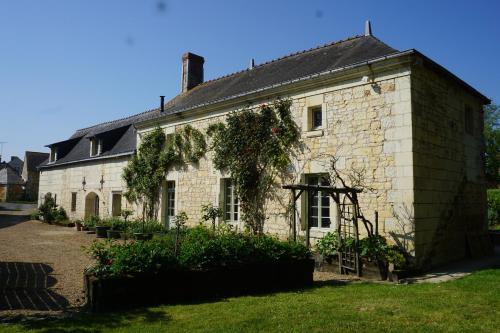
(315, 115)
(95, 146)
(231, 203)
(170, 204)
(53, 154)
(318, 203)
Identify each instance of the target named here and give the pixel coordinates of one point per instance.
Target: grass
(466, 305)
(495, 227)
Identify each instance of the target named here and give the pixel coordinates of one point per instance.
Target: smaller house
(30, 173)
(17, 164)
(11, 184)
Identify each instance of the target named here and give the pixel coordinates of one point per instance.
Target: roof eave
(97, 158)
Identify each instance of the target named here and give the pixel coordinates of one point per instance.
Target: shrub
(35, 215)
(371, 248)
(59, 214)
(134, 258)
(199, 248)
(493, 197)
(147, 226)
(328, 246)
(91, 221)
(47, 209)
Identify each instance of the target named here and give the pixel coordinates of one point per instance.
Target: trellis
(348, 217)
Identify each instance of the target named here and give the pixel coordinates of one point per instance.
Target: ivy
(157, 154)
(255, 147)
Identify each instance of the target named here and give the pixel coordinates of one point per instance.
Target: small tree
(255, 147)
(492, 142)
(210, 213)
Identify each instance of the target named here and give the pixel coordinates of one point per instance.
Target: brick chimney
(192, 71)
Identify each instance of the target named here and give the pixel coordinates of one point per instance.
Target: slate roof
(16, 163)
(34, 159)
(9, 176)
(294, 66)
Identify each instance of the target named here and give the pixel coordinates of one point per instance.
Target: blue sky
(65, 64)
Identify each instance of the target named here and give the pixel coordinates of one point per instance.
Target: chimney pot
(368, 28)
(162, 103)
(192, 71)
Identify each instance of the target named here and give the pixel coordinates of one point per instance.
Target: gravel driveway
(41, 265)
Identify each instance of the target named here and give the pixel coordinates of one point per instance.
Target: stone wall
(31, 186)
(449, 173)
(11, 192)
(366, 126)
(63, 181)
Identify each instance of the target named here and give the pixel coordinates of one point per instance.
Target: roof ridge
(284, 57)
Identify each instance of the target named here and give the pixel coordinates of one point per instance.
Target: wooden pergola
(346, 200)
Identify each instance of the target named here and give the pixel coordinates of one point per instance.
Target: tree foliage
(492, 140)
(255, 147)
(157, 154)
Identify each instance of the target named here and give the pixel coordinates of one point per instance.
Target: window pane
(325, 222)
(325, 212)
(317, 118)
(313, 222)
(313, 212)
(171, 199)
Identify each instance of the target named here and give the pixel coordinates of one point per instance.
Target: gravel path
(41, 265)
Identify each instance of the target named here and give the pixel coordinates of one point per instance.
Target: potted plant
(90, 223)
(101, 228)
(78, 225)
(117, 227)
(142, 230)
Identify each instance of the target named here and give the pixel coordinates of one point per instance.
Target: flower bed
(197, 263)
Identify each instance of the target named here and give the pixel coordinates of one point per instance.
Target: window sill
(313, 133)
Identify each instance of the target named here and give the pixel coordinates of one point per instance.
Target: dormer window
(95, 147)
(53, 154)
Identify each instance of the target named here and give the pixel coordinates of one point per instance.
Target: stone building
(11, 184)
(413, 127)
(30, 173)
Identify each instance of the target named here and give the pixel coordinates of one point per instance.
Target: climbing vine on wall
(255, 147)
(157, 154)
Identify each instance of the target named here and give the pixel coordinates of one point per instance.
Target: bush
(328, 246)
(371, 248)
(59, 214)
(493, 197)
(147, 227)
(199, 248)
(47, 209)
(35, 215)
(134, 258)
(92, 221)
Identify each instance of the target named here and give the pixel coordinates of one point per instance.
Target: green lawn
(495, 227)
(470, 304)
